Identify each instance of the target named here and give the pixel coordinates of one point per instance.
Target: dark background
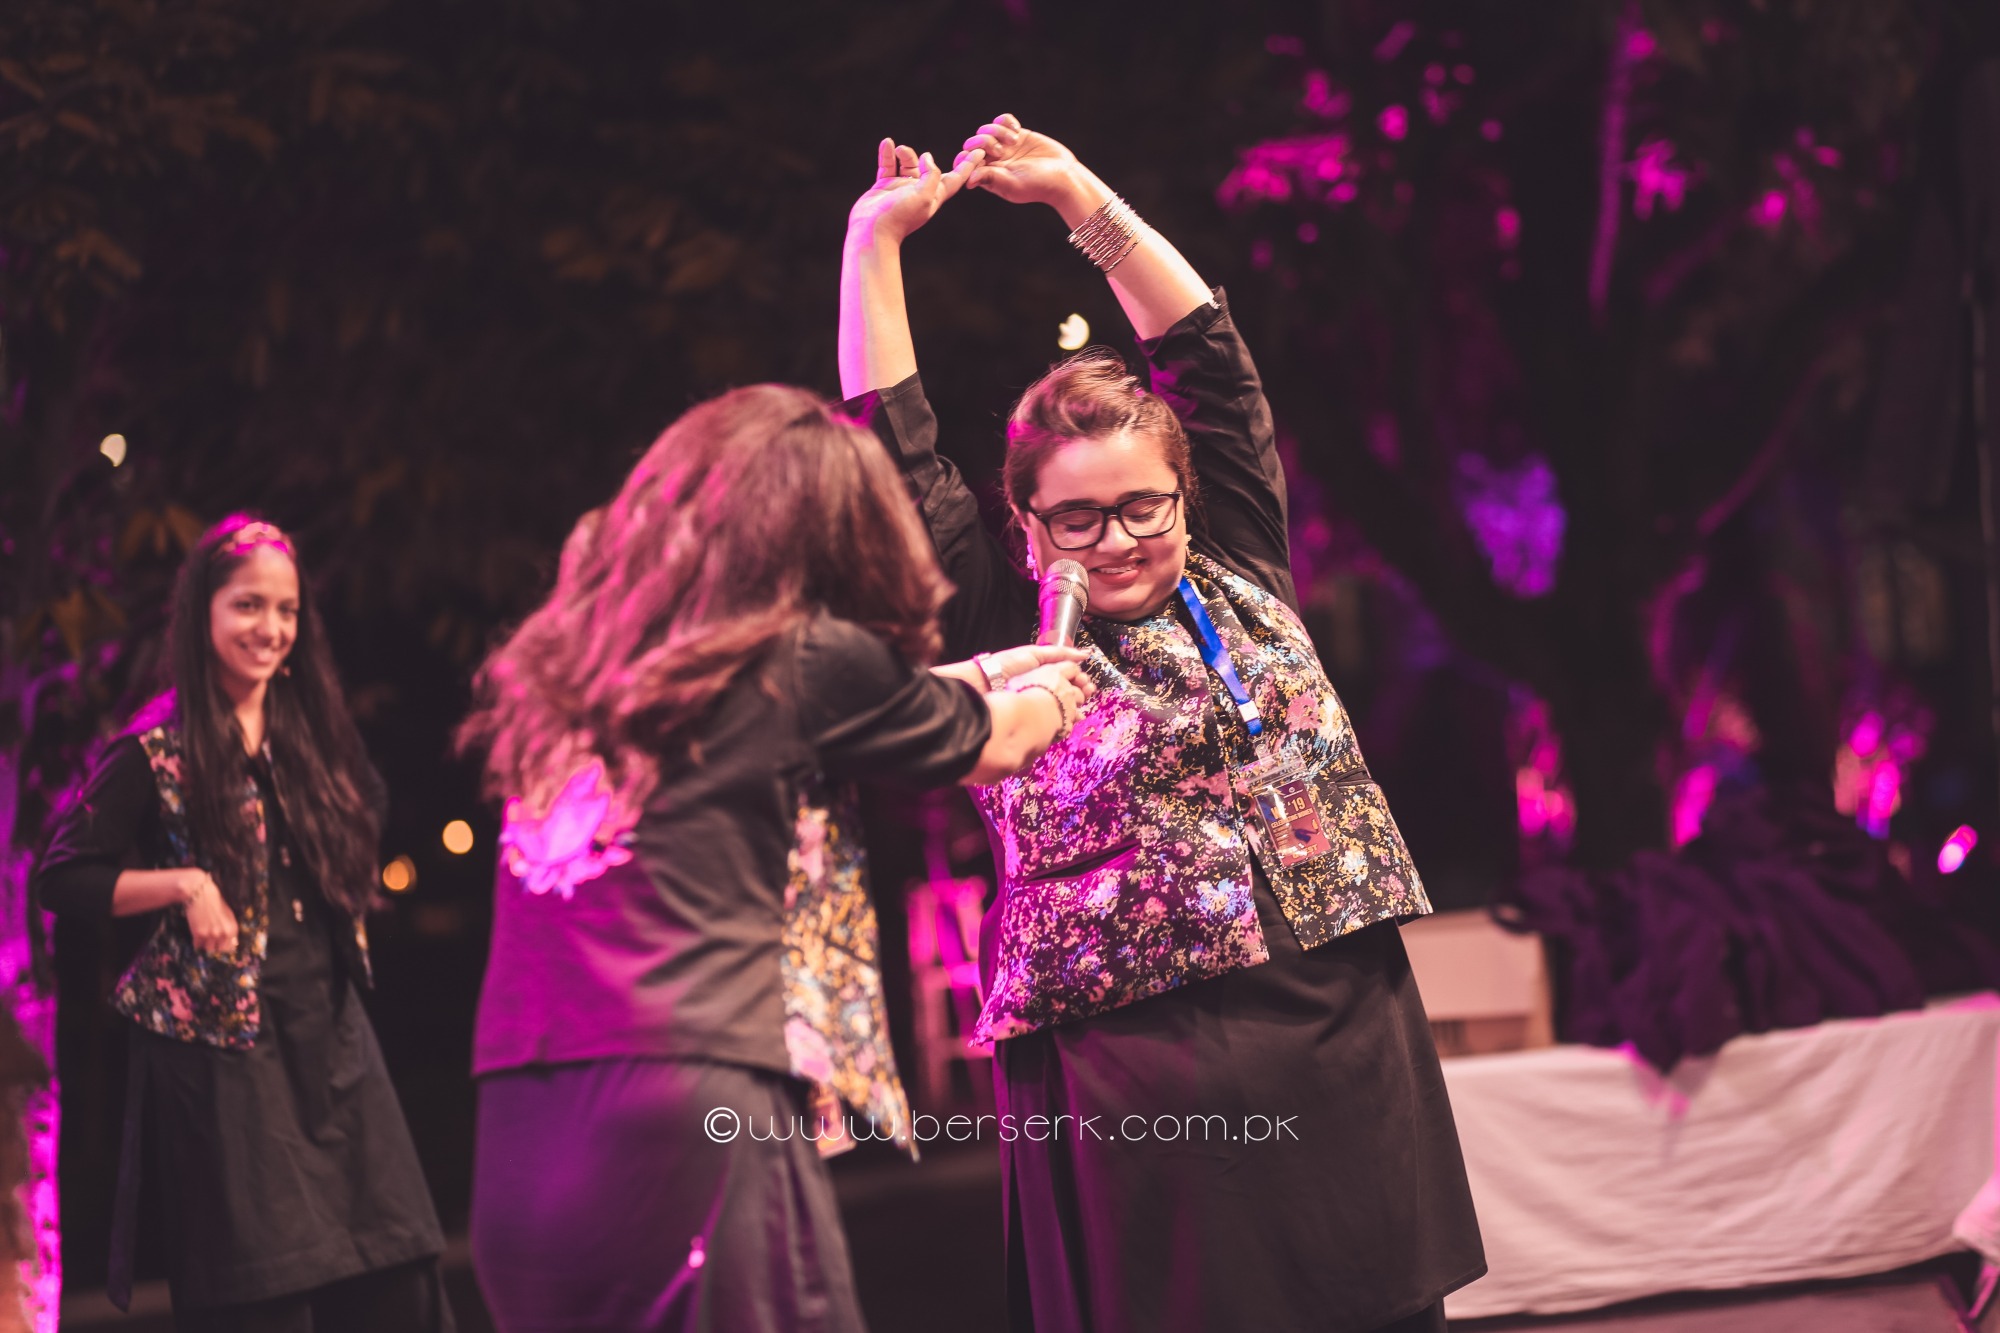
(418, 280)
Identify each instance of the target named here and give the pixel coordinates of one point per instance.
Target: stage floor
(926, 1256)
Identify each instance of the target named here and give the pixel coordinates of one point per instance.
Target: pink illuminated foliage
(1657, 178)
(1544, 805)
(1517, 519)
(1695, 203)
(1879, 743)
(1309, 167)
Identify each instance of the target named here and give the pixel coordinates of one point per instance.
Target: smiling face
(253, 620)
(1130, 577)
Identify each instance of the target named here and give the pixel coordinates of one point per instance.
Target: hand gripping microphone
(1065, 597)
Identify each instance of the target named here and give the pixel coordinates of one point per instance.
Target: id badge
(1280, 794)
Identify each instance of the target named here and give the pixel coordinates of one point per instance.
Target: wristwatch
(996, 679)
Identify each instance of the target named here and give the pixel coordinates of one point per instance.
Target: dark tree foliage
(418, 279)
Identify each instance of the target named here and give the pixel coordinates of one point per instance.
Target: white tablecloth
(1831, 1151)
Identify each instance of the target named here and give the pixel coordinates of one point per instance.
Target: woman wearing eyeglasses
(1197, 979)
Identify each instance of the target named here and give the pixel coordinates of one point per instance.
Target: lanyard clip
(1251, 717)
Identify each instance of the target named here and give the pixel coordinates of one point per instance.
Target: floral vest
(176, 989)
(1125, 854)
(836, 1025)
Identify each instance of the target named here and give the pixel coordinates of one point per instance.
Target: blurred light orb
(113, 448)
(458, 837)
(400, 875)
(1073, 333)
(1956, 848)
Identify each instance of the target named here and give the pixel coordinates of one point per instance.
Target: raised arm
(993, 607)
(1155, 283)
(876, 351)
(1199, 362)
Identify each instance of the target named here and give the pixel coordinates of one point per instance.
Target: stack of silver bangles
(1109, 234)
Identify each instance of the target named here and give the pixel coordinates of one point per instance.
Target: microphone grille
(1067, 574)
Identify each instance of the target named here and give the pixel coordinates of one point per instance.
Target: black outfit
(616, 1016)
(292, 1192)
(1364, 1222)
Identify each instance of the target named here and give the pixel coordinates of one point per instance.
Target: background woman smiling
(257, 1096)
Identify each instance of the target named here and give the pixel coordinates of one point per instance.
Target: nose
(1115, 540)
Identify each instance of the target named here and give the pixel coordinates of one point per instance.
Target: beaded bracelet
(1107, 236)
(1061, 708)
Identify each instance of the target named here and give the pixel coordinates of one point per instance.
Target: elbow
(45, 892)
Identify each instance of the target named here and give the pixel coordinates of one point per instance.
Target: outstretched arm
(1155, 283)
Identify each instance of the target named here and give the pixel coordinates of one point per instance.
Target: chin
(1130, 603)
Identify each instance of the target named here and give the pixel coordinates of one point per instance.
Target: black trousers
(408, 1298)
(1423, 1321)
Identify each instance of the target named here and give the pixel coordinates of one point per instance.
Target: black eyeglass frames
(1079, 527)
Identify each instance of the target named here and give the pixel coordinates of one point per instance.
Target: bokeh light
(458, 837)
(400, 875)
(1956, 848)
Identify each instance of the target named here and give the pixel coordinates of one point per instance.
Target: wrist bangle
(1062, 709)
(996, 679)
(1107, 236)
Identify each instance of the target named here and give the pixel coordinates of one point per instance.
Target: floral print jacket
(177, 990)
(1125, 853)
(1125, 856)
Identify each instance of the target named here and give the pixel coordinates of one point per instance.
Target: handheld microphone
(1065, 597)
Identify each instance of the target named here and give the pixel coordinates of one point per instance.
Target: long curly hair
(750, 513)
(317, 757)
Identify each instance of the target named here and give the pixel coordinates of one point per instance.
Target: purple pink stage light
(1956, 848)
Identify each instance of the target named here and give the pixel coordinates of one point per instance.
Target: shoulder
(841, 660)
(118, 786)
(155, 715)
(126, 758)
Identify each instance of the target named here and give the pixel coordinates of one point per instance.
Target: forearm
(1025, 723)
(968, 672)
(876, 350)
(1154, 283)
(139, 891)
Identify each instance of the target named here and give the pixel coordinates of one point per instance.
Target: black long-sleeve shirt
(1202, 369)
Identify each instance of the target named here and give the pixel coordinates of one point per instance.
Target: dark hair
(751, 512)
(317, 758)
(1091, 395)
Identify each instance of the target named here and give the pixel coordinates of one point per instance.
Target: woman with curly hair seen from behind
(683, 965)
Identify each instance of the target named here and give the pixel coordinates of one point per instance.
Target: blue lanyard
(1217, 657)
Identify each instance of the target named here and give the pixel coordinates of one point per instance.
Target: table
(1831, 1151)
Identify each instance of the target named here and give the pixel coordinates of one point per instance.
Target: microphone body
(1065, 597)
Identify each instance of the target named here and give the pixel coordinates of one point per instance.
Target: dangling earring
(284, 668)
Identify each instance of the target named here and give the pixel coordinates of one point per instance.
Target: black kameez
(1364, 1221)
(284, 1168)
